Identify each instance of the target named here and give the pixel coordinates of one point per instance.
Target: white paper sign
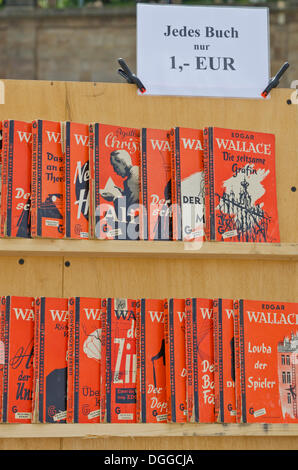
(202, 50)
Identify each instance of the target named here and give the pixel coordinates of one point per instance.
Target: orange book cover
(156, 221)
(18, 177)
(77, 175)
(120, 369)
(116, 182)
(153, 397)
(4, 160)
(188, 181)
(48, 180)
(84, 359)
(241, 200)
(18, 367)
(268, 361)
(50, 351)
(174, 312)
(202, 347)
(224, 361)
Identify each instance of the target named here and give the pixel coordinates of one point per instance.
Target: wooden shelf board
(116, 248)
(144, 430)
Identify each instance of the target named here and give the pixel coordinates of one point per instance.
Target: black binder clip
(130, 77)
(273, 83)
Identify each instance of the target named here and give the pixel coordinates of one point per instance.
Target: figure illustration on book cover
(238, 212)
(92, 345)
(123, 198)
(287, 351)
(51, 208)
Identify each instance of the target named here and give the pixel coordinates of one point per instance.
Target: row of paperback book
(72, 180)
(118, 360)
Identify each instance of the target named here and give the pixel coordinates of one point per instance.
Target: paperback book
(200, 360)
(224, 360)
(240, 185)
(15, 205)
(176, 372)
(116, 189)
(77, 176)
(188, 194)
(50, 360)
(118, 376)
(151, 376)
(48, 180)
(18, 339)
(84, 359)
(155, 196)
(268, 345)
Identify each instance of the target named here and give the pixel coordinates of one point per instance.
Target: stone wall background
(84, 44)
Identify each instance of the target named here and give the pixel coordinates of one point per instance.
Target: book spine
(138, 376)
(176, 163)
(189, 360)
(103, 366)
(237, 361)
(207, 181)
(216, 361)
(76, 356)
(168, 359)
(33, 208)
(173, 186)
(2, 352)
(143, 361)
(242, 363)
(96, 181)
(91, 180)
(172, 382)
(67, 181)
(109, 361)
(70, 361)
(195, 349)
(145, 217)
(5, 145)
(6, 361)
(10, 176)
(36, 361)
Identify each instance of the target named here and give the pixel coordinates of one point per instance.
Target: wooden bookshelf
(97, 268)
(151, 249)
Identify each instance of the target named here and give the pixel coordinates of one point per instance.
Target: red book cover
(84, 360)
(18, 366)
(268, 361)
(91, 180)
(4, 160)
(2, 349)
(237, 361)
(174, 312)
(116, 182)
(18, 177)
(188, 181)
(153, 397)
(48, 180)
(50, 361)
(224, 361)
(76, 180)
(189, 361)
(156, 191)
(241, 201)
(202, 347)
(119, 350)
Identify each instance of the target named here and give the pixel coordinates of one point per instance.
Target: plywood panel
(187, 443)
(30, 444)
(31, 276)
(161, 278)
